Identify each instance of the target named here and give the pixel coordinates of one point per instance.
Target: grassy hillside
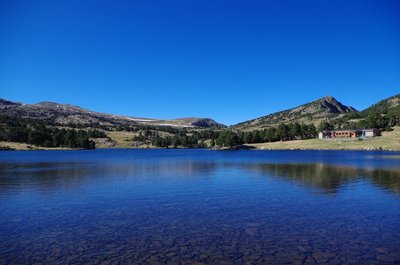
(384, 114)
(384, 106)
(284, 128)
(57, 114)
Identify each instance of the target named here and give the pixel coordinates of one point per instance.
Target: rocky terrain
(48, 124)
(69, 115)
(313, 112)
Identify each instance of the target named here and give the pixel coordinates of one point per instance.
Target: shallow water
(186, 206)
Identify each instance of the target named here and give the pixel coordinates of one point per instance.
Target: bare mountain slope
(69, 115)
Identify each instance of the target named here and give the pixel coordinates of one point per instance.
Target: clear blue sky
(228, 60)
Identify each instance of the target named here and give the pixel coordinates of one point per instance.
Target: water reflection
(330, 178)
(326, 177)
(183, 207)
(72, 174)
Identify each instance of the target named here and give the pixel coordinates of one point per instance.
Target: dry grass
(388, 141)
(22, 146)
(121, 139)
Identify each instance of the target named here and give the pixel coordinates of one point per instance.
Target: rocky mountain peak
(312, 112)
(201, 122)
(329, 98)
(207, 123)
(331, 105)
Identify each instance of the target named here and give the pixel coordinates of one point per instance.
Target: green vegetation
(309, 113)
(36, 133)
(229, 138)
(388, 141)
(177, 138)
(283, 128)
(283, 132)
(383, 115)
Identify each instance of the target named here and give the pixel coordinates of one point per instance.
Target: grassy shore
(22, 146)
(119, 139)
(388, 141)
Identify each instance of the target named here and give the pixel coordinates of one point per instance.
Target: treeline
(24, 131)
(283, 132)
(176, 138)
(229, 138)
(189, 141)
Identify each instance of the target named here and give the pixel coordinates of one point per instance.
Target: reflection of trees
(70, 174)
(389, 179)
(48, 175)
(330, 177)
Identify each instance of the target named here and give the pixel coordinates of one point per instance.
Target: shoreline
(389, 141)
(6, 149)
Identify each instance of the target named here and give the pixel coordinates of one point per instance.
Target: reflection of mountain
(53, 175)
(44, 175)
(329, 178)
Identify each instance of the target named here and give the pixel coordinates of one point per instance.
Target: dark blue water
(210, 207)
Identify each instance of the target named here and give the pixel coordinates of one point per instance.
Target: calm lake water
(186, 206)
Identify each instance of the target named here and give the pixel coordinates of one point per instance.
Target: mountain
(69, 115)
(313, 112)
(384, 114)
(201, 122)
(4, 104)
(384, 106)
(19, 123)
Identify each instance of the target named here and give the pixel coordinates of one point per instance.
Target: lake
(126, 206)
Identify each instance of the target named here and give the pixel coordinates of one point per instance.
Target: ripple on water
(204, 208)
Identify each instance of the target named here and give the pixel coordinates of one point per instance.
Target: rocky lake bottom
(199, 207)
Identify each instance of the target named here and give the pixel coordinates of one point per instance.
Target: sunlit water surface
(186, 206)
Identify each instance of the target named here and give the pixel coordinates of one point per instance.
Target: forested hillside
(384, 115)
(41, 125)
(27, 131)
